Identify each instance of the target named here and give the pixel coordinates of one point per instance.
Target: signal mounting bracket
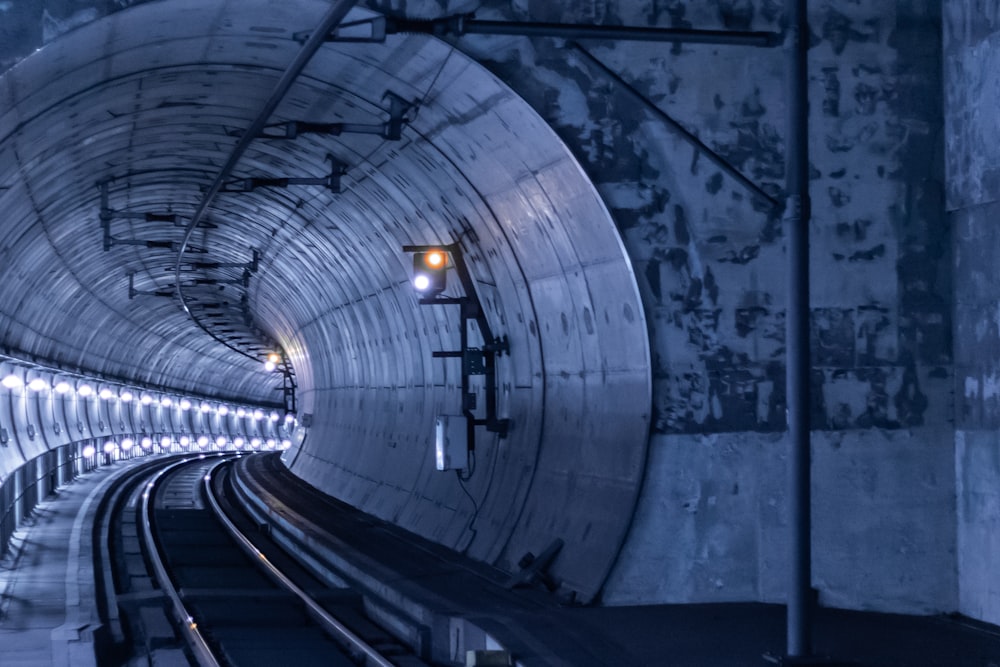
(475, 361)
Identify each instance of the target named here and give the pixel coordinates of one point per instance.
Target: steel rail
(202, 652)
(320, 615)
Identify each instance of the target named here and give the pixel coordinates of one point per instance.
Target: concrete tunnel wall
(971, 36)
(895, 529)
(146, 96)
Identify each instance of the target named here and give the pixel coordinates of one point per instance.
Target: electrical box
(451, 442)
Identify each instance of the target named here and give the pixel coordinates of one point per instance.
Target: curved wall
(150, 98)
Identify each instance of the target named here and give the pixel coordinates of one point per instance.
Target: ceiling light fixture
(12, 381)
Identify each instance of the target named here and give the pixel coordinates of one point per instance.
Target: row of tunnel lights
(202, 441)
(13, 381)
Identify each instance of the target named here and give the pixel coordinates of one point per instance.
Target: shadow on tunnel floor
(742, 634)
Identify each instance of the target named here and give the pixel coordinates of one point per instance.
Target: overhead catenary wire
(316, 39)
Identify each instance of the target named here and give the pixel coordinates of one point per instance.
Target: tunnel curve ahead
(154, 97)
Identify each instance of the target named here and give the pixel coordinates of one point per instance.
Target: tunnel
(219, 203)
(134, 116)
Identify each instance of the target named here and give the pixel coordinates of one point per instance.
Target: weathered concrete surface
(712, 521)
(710, 263)
(977, 462)
(972, 139)
(972, 56)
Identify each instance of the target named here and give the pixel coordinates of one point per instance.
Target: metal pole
(468, 25)
(797, 334)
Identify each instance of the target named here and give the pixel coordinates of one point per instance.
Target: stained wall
(971, 38)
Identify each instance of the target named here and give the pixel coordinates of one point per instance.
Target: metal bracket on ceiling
(133, 292)
(248, 269)
(401, 112)
(252, 266)
(330, 182)
(170, 290)
(108, 214)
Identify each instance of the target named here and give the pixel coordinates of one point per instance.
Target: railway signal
(429, 271)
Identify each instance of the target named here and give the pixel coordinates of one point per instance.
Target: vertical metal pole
(797, 333)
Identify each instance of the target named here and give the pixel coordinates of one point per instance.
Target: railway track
(191, 579)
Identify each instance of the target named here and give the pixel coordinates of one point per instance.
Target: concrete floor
(47, 606)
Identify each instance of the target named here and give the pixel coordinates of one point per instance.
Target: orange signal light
(435, 259)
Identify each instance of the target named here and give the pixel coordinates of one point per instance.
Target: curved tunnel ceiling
(151, 100)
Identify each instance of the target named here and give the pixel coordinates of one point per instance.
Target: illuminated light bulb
(127, 444)
(273, 416)
(145, 399)
(271, 443)
(269, 366)
(285, 444)
(434, 259)
(238, 442)
(205, 407)
(274, 357)
(185, 441)
(110, 446)
(89, 451)
(62, 387)
(38, 384)
(223, 410)
(165, 441)
(126, 396)
(12, 381)
(289, 418)
(147, 443)
(258, 414)
(185, 404)
(220, 442)
(85, 390)
(166, 402)
(106, 393)
(240, 412)
(255, 443)
(421, 282)
(203, 441)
